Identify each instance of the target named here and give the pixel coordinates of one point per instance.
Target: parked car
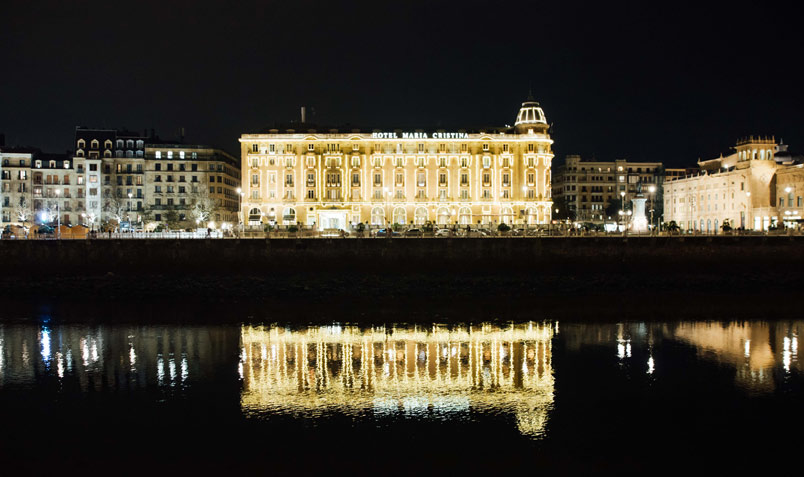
(45, 230)
(334, 233)
(384, 233)
(484, 232)
(413, 233)
(442, 233)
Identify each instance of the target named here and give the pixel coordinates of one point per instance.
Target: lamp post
(240, 220)
(58, 214)
(130, 229)
(652, 190)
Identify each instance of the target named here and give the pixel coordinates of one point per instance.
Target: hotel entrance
(333, 219)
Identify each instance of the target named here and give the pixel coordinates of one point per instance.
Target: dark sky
(665, 81)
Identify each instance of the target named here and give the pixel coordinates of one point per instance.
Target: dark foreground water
(568, 397)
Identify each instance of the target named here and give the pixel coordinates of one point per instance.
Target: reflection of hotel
(401, 370)
(333, 178)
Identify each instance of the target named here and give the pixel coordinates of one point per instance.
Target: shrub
(503, 227)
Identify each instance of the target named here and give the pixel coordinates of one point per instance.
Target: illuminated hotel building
(334, 178)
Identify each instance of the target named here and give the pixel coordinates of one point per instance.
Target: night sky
(639, 80)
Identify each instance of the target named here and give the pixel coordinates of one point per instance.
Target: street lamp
(652, 190)
(129, 212)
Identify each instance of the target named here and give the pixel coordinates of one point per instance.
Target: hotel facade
(336, 179)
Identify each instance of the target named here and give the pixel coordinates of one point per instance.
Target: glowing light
(160, 370)
(650, 365)
(747, 351)
(786, 355)
(172, 370)
(59, 365)
(185, 371)
(45, 345)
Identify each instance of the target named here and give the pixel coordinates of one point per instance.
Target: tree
(614, 206)
(171, 218)
(672, 227)
(726, 226)
(23, 210)
(115, 209)
(564, 210)
(203, 207)
(503, 227)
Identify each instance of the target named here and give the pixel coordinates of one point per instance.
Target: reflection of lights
(132, 356)
(59, 365)
(650, 365)
(160, 369)
(172, 370)
(84, 352)
(45, 344)
(184, 368)
(401, 371)
(747, 348)
(786, 354)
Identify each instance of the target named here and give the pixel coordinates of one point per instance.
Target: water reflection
(397, 372)
(401, 371)
(112, 357)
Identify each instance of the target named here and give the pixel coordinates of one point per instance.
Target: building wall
(738, 188)
(586, 188)
(179, 175)
(335, 180)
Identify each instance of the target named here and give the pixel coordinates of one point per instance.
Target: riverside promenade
(604, 278)
(478, 256)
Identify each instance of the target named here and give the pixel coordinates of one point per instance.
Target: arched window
(702, 226)
(130, 144)
(254, 216)
(708, 226)
(140, 144)
(532, 217)
(442, 218)
(420, 216)
(119, 143)
(82, 144)
(507, 216)
(95, 144)
(289, 216)
(400, 217)
(715, 229)
(377, 216)
(465, 216)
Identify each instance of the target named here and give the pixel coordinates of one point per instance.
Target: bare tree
(203, 207)
(23, 210)
(116, 209)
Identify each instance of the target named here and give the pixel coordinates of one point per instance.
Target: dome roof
(530, 113)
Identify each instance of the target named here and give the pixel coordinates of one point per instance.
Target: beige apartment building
(583, 190)
(330, 178)
(739, 188)
(189, 185)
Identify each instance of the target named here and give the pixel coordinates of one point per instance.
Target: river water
(566, 396)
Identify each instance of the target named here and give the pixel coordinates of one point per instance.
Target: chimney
(303, 115)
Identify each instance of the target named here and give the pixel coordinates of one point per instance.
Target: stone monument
(639, 223)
